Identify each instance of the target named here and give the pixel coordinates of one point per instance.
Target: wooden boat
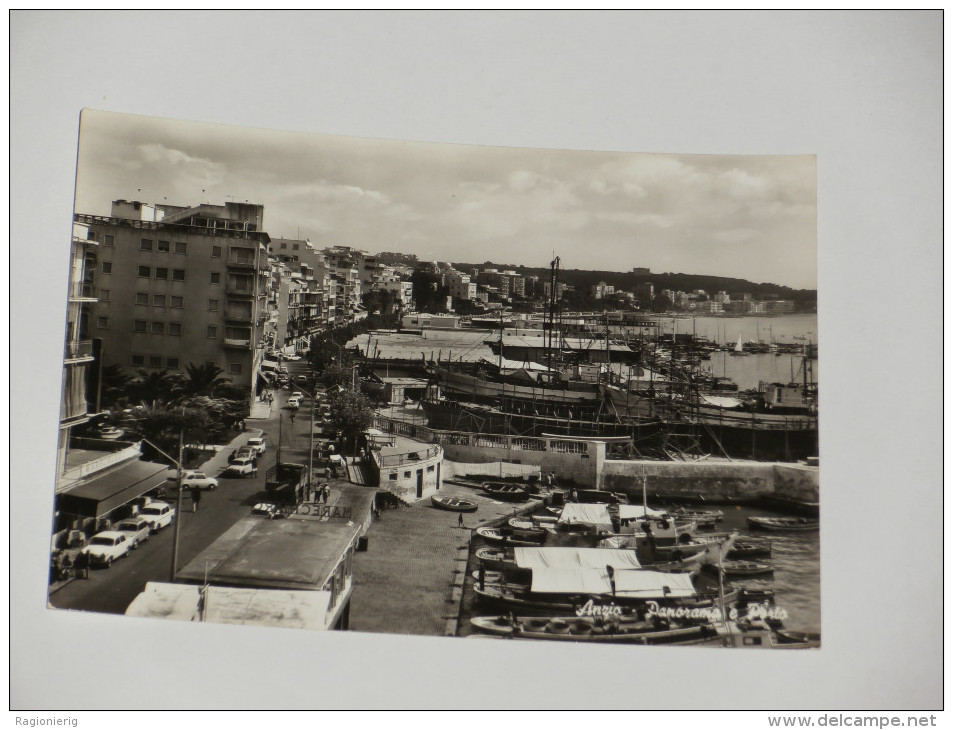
(598, 630)
(700, 515)
(454, 504)
(758, 634)
(493, 534)
(506, 492)
(745, 568)
(784, 524)
(746, 548)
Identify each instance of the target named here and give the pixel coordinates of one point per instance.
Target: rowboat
(750, 548)
(506, 492)
(784, 524)
(598, 630)
(745, 568)
(517, 538)
(454, 504)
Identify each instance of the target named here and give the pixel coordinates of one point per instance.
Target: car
(242, 467)
(257, 443)
(136, 529)
(294, 402)
(293, 358)
(198, 479)
(158, 515)
(108, 433)
(297, 394)
(105, 547)
(243, 452)
(265, 509)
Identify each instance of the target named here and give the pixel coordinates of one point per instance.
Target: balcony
(238, 318)
(238, 344)
(82, 291)
(241, 263)
(78, 351)
(239, 291)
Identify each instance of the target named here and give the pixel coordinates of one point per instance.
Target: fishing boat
(454, 504)
(784, 524)
(598, 629)
(506, 492)
(701, 516)
(493, 534)
(745, 568)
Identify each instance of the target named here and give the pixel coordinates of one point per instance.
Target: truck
(286, 483)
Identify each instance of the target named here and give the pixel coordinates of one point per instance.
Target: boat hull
(593, 630)
(454, 504)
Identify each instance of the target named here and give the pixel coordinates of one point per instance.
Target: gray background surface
(862, 90)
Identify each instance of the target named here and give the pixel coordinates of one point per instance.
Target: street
(112, 590)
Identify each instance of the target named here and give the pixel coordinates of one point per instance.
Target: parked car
(108, 433)
(297, 394)
(243, 452)
(265, 509)
(105, 547)
(282, 369)
(257, 443)
(193, 479)
(158, 515)
(293, 358)
(242, 467)
(136, 529)
(294, 402)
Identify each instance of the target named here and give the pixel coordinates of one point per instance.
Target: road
(112, 590)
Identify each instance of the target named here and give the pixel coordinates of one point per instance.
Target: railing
(410, 457)
(130, 451)
(82, 290)
(237, 343)
(259, 236)
(79, 350)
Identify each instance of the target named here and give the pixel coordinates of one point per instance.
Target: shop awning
(102, 495)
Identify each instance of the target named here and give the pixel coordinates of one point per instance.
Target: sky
(748, 217)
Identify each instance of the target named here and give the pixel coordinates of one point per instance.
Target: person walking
(196, 494)
(82, 565)
(460, 520)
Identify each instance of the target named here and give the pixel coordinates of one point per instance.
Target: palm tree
(155, 387)
(203, 379)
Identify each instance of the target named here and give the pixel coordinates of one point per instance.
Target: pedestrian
(82, 565)
(196, 498)
(460, 520)
(552, 479)
(327, 473)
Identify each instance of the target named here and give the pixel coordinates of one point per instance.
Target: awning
(596, 515)
(646, 584)
(569, 557)
(102, 495)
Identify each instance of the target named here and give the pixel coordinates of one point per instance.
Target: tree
(203, 379)
(338, 375)
(351, 413)
(114, 383)
(155, 387)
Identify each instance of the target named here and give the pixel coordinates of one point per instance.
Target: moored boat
(598, 629)
(493, 534)
(750, 547)
(784, 524)
(454, 504)
(745, 568)
(506, 492)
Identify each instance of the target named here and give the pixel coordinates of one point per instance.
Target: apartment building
(180, 285)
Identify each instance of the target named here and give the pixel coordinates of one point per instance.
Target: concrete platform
(410, 580)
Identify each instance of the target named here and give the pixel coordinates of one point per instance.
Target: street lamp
(178, 503)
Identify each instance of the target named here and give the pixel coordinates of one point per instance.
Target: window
(429, 469)
(172, 363)
(392, 476)
(284, 245)
(145, 271)
(178, 274)
(163, 247)
(216, 252)
(104, 295)
(102, 323)
(175, 302)
(139, 325)
(180, 247)
(406, 475)
(235, 368)
(158, 300)
(294, 246)
(145, 244)
(238, 310)
(215, 278)
(211, 332)
(175, 329)
(158, 328)
(108, 240)
(161, 273)
(142, 298)
(155, 361)
(138, 360)
(107, 267)
(213, 305)
(242, 334)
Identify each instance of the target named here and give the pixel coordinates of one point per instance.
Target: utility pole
(178, 512)
(314, 397)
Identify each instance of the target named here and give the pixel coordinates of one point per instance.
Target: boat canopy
(635, 511)
(647, 584)
(569, 557)
(507, 365)
(586, 514)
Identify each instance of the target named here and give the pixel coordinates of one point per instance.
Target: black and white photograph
(400, 387)
(352, 390)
